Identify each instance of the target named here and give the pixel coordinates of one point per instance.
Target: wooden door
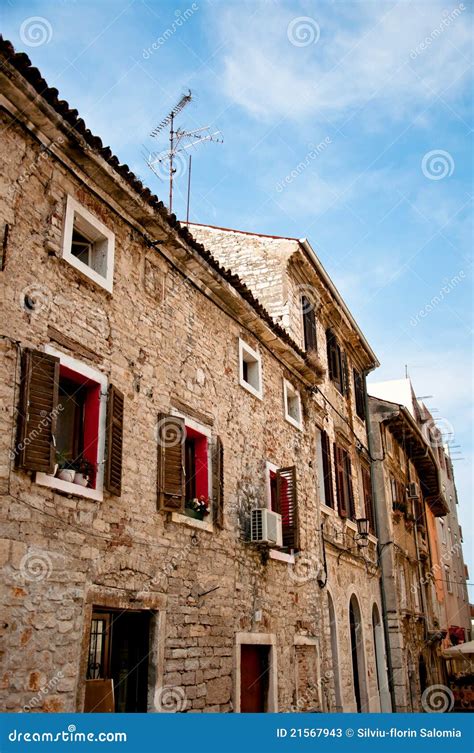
(254, 678)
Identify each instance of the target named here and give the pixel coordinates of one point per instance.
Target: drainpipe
(370, 444)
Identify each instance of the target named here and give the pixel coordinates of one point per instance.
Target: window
(309, 323)
(388, 442)
(88, 245)
(359, 392)
(250, 366)
(292, 402)
(443, 531)
(447, 577)
(368, 501)
(336, 361)
(402, 585)
(190, 469)
(323, 450)
(65, 414)
(282, 498)
(345, 496)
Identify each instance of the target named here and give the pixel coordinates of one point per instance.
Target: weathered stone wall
(157, 338)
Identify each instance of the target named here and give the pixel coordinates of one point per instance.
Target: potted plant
(66, 468)
(198, 507)
(84, 472)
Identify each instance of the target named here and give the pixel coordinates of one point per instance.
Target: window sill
(67, 487)
(248, 388)
(202, 525)
(275, 554)
(326, 509)
(294, 423)
(372, 538)
(350, 524)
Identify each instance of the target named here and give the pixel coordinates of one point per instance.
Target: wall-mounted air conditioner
(412, 490)
(265, 527)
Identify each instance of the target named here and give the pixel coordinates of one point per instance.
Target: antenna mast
(179, 141)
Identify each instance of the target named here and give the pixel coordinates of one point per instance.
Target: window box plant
(84, 472)
(66, 467)
(198, 507)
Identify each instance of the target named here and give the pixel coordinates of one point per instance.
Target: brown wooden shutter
(114, 441)
(218, 483)
(348, 471)
(35, 447)
(345, 383)
(330, 352)
(368, 500)
(359, 393)
(340, 488)
(327, 469)
(309, 324)
(171, 479)
(288, 504)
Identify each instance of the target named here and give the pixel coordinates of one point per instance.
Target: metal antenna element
(164, 163)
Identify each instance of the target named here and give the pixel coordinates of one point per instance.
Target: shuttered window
(309, 323)
(345, 496)
(218, 483)
(38, 407)
(327, 469)
(287, 505)
(114, 441)
(335, 362)
(368, 499)
(171, 463)
(359, 393)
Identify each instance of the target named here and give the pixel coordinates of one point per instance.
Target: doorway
(254, 678)
(357, 656)
(118, 652)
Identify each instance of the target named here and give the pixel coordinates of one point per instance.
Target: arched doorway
(334, 654)
(380, 663)
(357, 656)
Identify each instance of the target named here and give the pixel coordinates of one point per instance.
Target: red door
(254, 671)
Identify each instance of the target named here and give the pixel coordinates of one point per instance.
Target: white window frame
(178, 517)
(245, 349)
(73, 210)
(290, 392)
(275, 554)
(46, 479)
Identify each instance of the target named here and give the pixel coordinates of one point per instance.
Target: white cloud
(376, 55)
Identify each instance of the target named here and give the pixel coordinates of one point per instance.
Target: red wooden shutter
(35, 447)
(114, 441)
(218, 483)
(171, 481)
(340, 487)
(327, 469)
(287, 501)
(368, 500)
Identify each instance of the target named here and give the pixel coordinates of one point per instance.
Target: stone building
(138, 375)
(291, 283)
(423, 576)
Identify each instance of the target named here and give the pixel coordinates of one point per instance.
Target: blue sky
(382, 87)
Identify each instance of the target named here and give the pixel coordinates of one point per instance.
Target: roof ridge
(245, 232)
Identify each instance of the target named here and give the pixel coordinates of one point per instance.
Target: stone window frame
(245, 349)
(76, 212)
(257, 639)
(46, 479)
(290, 392)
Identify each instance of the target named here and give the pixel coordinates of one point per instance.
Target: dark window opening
(335, 361)
(82, 247)
(359, 392)
(190, 468)
(309, 324)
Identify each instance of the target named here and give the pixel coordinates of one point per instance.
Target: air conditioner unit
(265, 527)
(413, 491)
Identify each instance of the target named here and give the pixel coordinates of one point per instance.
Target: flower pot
(193, 513)
(66, 474)
(80, 479)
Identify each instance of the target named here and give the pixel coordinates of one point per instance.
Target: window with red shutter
(345, 495)
(287, 505)
(368, 499)
(327, 470)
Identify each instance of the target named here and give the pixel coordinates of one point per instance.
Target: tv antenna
(165, 163)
